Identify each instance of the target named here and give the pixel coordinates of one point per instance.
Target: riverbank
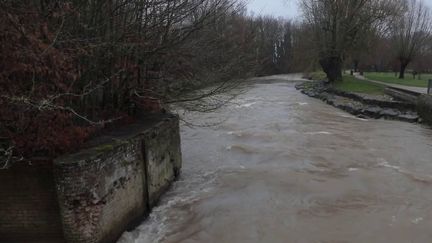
(360, 104)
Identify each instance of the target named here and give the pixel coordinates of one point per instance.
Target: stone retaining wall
(96, 194)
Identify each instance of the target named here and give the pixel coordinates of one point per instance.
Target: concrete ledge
(424, 108)
(404, 95)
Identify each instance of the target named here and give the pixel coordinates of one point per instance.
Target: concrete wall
(105, 189)
(424, 108)
(163, 156)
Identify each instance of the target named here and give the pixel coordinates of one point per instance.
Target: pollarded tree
(411, 32)
(338, 24)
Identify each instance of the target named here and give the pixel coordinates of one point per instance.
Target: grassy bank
(317, 75)
(408, 81)
(352, 84)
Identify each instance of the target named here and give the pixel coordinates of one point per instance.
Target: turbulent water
(284, 167)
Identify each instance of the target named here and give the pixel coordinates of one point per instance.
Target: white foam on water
(412, 175)
(360, 119)
(237, 134)
(385, 163)
(352, 117)
(159, 223)
(246, 105)
(417, 220)
(319, 133)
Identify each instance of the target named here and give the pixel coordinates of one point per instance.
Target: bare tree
(72, 67)
(411, 32)
(337, 25)
(70, 64)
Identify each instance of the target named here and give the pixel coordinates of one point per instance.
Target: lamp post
(429, 86)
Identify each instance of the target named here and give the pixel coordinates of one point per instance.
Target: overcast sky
(282, 8)
(279, 8)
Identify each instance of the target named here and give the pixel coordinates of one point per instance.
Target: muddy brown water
(284, 167)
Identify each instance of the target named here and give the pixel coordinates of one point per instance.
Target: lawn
(352, 84)
(319, 75)
(391, 78)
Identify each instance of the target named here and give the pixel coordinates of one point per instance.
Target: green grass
(318, 75)
(408, 81)
(352, 84)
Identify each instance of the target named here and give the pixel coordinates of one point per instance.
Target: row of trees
(368, 31)
(71, 68)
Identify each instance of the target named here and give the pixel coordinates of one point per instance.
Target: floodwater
(284, 167)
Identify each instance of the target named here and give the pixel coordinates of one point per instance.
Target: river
(284, 167)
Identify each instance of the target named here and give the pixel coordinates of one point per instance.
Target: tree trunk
(332, 66)
(403, 67)
(356, 65)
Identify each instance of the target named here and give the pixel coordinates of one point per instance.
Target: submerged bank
(360, 104)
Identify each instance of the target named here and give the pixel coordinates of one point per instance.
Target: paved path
(409, 88)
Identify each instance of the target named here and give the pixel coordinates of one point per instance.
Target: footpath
(404, 87)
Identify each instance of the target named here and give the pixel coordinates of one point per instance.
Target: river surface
(284, 167)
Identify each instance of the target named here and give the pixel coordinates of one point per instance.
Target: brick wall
(28, 206)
